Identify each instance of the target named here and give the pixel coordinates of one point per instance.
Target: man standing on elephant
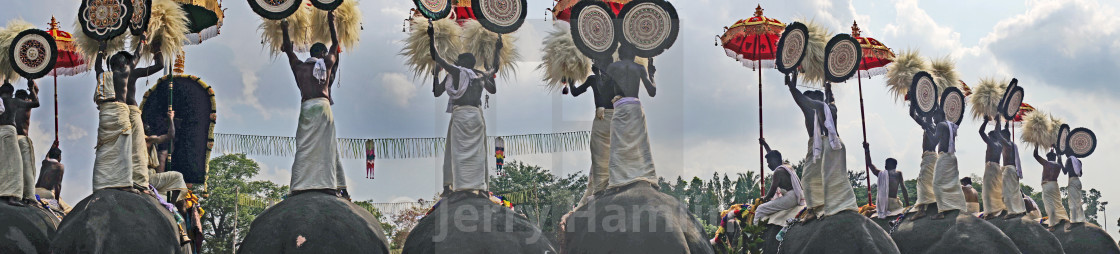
(11, 162)
(317, 166)
(886, 200)
(992, 192)
(1012, 172)
(464, 163)
(828, 190)
(631, 158)
(924, 184)
(26, 100)
(603, 91)
(785, 185)
(1073, 170)
(946, 179)
(129, 61)
(1051, 194)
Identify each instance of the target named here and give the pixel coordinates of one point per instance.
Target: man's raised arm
(33, 94)
(97, 66)
(867, 159)
(157, 59)
(984, 134)
(798, 97)
(647, 79)
(435, 54)
(287, 47)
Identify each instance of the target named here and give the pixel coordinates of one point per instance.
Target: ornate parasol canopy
(753, 41)
(205, 19)
(1024, 109)
(562, 10)
(69, 62)
(876, 56)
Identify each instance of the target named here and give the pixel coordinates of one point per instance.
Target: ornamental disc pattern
(140, 13)
(104, 18)
(926, 94)
(34, 54)
(647, 26)
(953, 106)
(1014, 102)
(596, 29)
(1082, 142)
(843, 59)
(276, 6)
(793, 48)
(1063, 135)
(502, 12)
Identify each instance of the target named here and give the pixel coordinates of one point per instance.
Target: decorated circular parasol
(194, 130)
(69, 62)
(753, 42)
(204, 18)
(479, 40)
(562, 9)
(873, 62)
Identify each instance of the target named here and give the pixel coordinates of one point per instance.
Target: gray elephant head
(844, 232)
(956, 233)
(27, 229)
(634, 219)
(315, 222)
(1028, 235)
(1084, 238)
(115, 221)
(466, 222)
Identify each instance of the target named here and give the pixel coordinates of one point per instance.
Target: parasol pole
(56, 104)
(761, 151)
(863, 120)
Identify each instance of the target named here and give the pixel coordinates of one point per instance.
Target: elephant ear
(681, 232)
(1028, 235)
(132, 224)
(1086, 238)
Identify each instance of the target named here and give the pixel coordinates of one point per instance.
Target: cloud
(397, 88)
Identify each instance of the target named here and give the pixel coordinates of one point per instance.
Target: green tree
(541, 196)
(234, 201)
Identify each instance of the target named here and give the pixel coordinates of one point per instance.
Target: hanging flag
(370, 156)
(499, 153)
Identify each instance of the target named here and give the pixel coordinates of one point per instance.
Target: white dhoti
(167, 181)
(894, 207)
(317, 164)
(1012, 193)
(925, 179)
(599, 177)
(992, 191)
(11, 163)
(786, 203)
(52, 201)
(631, 159)
(112, 165)
(139, 147)
(27, 154)
(1052, 199)
(814, 179)
(1076, 212)
(947, 184)
(464, 157)
(833, 167)
(974, 207)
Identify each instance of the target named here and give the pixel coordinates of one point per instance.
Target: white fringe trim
(205, 34)
(875, 71)
(71, 71)
(753, 64)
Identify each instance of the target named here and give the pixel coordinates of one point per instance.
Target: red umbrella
(876, 57)
(69, 63)
(562, 9)
(753, 42)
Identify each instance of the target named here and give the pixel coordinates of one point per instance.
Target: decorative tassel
(401, 148)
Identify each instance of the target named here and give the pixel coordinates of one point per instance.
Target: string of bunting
(401, 148)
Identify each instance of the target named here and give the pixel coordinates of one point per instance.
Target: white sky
(1064, 53)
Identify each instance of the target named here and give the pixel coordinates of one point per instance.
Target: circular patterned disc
(500, 16)
(792, 46)
(434, 9)
(326, 5)
(651, 26)
(923, 93)
(141, 14)
(1006, 93)
(104, 19)
(274, 9)
(1063, 135)
(1013, 102)
(841, 58)
(593, 29)
(952, 102)
(33, 53)
(1082, 142)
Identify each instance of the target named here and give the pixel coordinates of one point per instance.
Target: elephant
(117, 221)
(634, 218)
(1029, 236)
(468, 222)
(957, 232)
(1084, 238)
(26, 229)
(315, 222)
(843, 232)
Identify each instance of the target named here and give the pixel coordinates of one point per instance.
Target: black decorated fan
(141, 14)
(434, 9)
(842, 55)
(1006, 93)
(500, 16)
(792, 47)
(275, 9)
(953, 104)
(326, 5)
(33, 53)
(923, 93)
(650, 26)
(104, 19)
(1081, 143)
(1010, 106)
(195, 112)
(1063, 135)
(593, 29)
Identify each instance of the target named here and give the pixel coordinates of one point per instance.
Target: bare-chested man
(785, 197)
(125, 61)
(49, 184)
(603, 92)
(924, 185)
(317, 165)
(11, 159)
(946, 179)
(26, 101)
(1073, 170)
(1051, 194)
(1012, 172)
(631, 159)
(993, 173)
(826, 176)
(886, 200)
(971, 197)
(464, 157)
(167, 183)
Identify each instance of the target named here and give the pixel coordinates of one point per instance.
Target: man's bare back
(627, 75)
(309, 86)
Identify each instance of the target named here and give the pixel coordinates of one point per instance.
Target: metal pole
(56, 105)
(863, 119)
(761, 150)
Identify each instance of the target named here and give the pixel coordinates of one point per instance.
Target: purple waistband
(626, 100)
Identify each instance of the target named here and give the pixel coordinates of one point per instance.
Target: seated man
(169, 183)
(971, 197)
(49, 185)
(886, 199)
(785, 197)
